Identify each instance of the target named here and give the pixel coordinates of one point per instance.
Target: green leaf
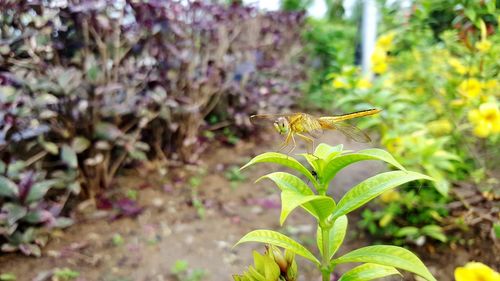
(368, 271)
(68, 156)
(8, 188)
(336, 236)
(315, 162)
(291, 183)
(281, 159)
(319, 206)
(387, 255)
(39, 189)
(371, 188)
(287, 181)
(338, 163)
(14, 212)
(325, 151)
(80, 144)
(280, 240)
(50, 147)
(407, 231)
(434, 231)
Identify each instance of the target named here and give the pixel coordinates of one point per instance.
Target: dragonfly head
(281, 125)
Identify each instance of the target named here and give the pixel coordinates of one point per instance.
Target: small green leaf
(407, 231)
(50, 147)
(281, 159)
(368, 271)
(336, 236)
(336, 164)
(14, 212)
(434, 231)
(68, 156)
(80, 144)
(319, 206)
(7, 277)
(327, 152)
(63, 222)
(8, 188)
(280, 240)
(390, 256)
(286, 181)
(371, 188)
(39, 189)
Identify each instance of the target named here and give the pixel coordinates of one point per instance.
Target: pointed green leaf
(388, 255)
(325, 151)
(68, 156)
(287, 181)
(39, 189)
(280, 240)
(319, 206)
(368, 271)
(371, 188)
(8, 188)
(336, 236)
(315, 162)
(336, 164)
(282, 159)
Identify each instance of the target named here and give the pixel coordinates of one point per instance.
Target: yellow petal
(474, 116)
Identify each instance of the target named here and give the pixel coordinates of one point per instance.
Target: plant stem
(325, 237)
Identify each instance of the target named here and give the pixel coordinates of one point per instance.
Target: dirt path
(169, 228)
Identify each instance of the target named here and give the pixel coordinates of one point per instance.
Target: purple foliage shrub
(87, 86)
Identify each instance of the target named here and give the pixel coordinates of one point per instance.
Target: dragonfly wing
(266, 117)
(351, 131)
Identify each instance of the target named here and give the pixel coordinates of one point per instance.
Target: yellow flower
(390, 196)
(379, 68)
(490, 84)
(385, 41)
(486, 120)
(439, 127)
(340, 83)
(437, 105)
(483, 46)
(476, 271)
(379, 60)
(457, 102)
(470, 88)
(364, 83)
(458, 66)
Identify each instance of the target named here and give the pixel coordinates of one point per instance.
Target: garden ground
(169, 228)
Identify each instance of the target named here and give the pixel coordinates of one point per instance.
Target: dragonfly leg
(310, 141)
(286, 142)
(294, 144)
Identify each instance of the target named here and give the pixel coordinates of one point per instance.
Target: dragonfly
(309, 127)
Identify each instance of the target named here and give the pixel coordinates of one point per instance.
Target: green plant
(65, 274)
(273, 265)
(331, 216)
(194, 183)
(180, 270)
(234, 176)
(8, 277)
(25, 209)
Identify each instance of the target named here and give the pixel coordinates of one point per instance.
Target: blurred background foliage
(89, 87)
(436, 78)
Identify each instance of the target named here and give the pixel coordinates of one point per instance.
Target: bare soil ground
(170, 228)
